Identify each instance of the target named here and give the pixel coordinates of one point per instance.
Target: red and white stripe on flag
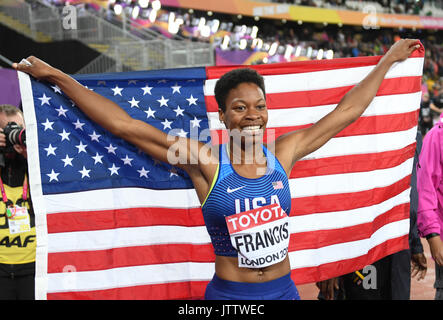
(350, 198)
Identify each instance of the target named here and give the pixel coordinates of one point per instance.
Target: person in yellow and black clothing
(17, 222)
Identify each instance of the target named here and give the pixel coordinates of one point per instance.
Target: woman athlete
(234, 179)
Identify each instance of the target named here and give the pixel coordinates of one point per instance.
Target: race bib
(261, 236)
(18, 220)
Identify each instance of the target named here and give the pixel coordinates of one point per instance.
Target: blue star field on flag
(77, 154)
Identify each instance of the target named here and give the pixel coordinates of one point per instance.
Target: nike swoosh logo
(229, 190)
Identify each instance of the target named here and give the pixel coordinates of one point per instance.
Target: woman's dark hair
(232, 79)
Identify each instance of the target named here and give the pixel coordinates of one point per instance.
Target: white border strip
(41, 261)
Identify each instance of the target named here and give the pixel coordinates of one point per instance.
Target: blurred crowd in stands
(389, 6)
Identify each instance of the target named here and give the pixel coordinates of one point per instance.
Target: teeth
(251, 128)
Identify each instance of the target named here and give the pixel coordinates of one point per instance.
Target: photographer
(17, 222)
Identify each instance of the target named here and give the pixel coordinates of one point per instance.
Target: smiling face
(245, 110)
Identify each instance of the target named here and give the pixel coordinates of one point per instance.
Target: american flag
(112, 223)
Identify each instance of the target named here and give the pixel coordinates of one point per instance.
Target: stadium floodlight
(243, 29)
(118, 9)
(298, 51)
(225, 42)
(143, 3)
(171, 18)
(257, 43)
(288, 52)
(201, 23)
(254, 32)
(215, 25)
(243, 44)
(329, 54)
(156, 5)
(135, 12)
(273, 49)
(152, 15)
(309, 52)
(173, 28)
(205, 31)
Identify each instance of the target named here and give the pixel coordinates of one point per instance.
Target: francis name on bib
(261, 236)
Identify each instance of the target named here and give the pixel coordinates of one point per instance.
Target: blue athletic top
(231, 193)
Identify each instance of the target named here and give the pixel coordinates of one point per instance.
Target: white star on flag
(50, 150)
(143, 172)
(53, 175)
(176, 88)
(78, 124)
(62, 111)
(147, 90)
(117, 91)
(48, 124)
(150, 113)
(173, 172)
(192, 100)
(134, 103)
(111, 148)
(44, 100)
(182, 133)
(97, 158)
(166, 124)
(56, 89)
(81, 147)
(84, 172)
(94, 136)
(127, 160)
(64, 135)
(163, 102)
(195, 122)
(67, 161)
(114, 169)
(178, 111)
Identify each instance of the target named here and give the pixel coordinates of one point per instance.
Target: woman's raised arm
(349, 109)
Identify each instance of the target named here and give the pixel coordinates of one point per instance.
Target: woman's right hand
(436, 245)
(37, 68)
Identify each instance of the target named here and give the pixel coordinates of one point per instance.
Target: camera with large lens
(15, 134)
